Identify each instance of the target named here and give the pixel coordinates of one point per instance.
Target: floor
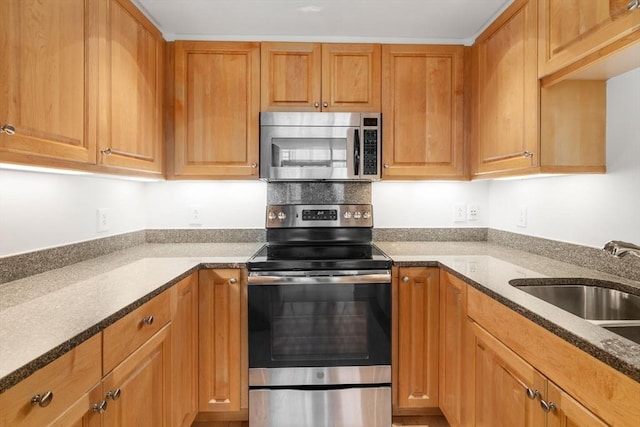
(432, 421)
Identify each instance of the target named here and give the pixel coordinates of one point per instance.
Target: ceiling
(383, 21)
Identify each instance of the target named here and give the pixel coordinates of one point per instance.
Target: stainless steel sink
(595, 301)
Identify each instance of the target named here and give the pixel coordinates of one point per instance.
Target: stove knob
(281, 216)
(347, 215)
(271, 216)
(366, 214)
(357, 215)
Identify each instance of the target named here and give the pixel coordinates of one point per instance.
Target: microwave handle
(356, 152)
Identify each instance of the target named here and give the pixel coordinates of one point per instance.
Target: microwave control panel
(370, 152)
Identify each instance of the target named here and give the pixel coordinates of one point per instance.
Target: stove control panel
(303, 216)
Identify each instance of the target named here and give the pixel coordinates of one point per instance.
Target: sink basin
(584, 298)
(631, 332)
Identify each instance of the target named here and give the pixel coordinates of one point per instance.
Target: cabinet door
(131, 57)
(351, 77)
(143, 380)
(453, 318)
(501, 385)
(222, 353)
(83, 413)
(291, 74)
(422, 111)
(506, 116)
(567, 411)
(217, 102)
(416, 384)
(47, 81)
(184, 351)
(575, 33)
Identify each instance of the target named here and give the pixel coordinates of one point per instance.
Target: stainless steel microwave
(320, 146)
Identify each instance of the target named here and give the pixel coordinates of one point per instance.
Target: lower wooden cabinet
(526, 375)
(56, 389)
(503, 385)
(415, 347)
(223, 386)
(452, 382)
(184, 351)
(137, 390)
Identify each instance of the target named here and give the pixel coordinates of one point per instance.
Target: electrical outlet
(195, 215)
(473, 212)
(522, 216)
(103, 220)
(459, 212)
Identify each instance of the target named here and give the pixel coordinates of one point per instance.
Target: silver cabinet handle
(113, 395)
(325, 104)
(405, 279)
(233, 280)
(148, 320)
(8, 129)
(42, 400)
(107, 151)
(100, 407)
(527, 154)
(254, 165)
(633, 4)
(547, 406)
(386, 165)
(532, 394)
(316, 104)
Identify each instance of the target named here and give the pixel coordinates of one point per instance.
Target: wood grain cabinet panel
(415, 370)
(577, 33)
(222, 341)
(328, 77)
(48, 81)
(65, 380)
(130, 135)
(422, 110)
(217, 102)
(184, 351)
(144, 383)
(520, 128)
(452, 374)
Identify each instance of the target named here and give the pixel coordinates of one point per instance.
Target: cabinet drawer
(66, 378)
(130, 332)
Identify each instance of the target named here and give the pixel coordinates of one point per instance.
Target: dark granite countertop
(43, 316)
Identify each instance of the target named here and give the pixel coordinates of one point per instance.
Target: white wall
(427, 203)
(584, 209)
(221, 204)
(40, 210)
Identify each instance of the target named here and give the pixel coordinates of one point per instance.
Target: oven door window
(319, 325)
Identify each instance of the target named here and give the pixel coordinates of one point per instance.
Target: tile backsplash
(310, 193)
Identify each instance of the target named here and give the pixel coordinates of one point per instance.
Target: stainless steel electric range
(319, 296)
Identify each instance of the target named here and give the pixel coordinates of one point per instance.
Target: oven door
(313, 319)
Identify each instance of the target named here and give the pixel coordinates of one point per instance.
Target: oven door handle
(319, 280)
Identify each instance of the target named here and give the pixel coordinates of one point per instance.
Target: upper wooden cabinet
(131, 89)
(48, 79)
(415, 346)
(320, 77)
(422, 112)
(576, 33)
(217, 103)
(519, 128)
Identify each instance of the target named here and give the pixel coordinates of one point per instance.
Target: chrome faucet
(619, 249)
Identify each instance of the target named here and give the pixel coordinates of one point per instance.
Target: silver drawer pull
(113, 395)
(233, 280)
(547, 406)
(8, 129)
(100, 407)
(42, 400)
(148, 320)
(527, 154)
